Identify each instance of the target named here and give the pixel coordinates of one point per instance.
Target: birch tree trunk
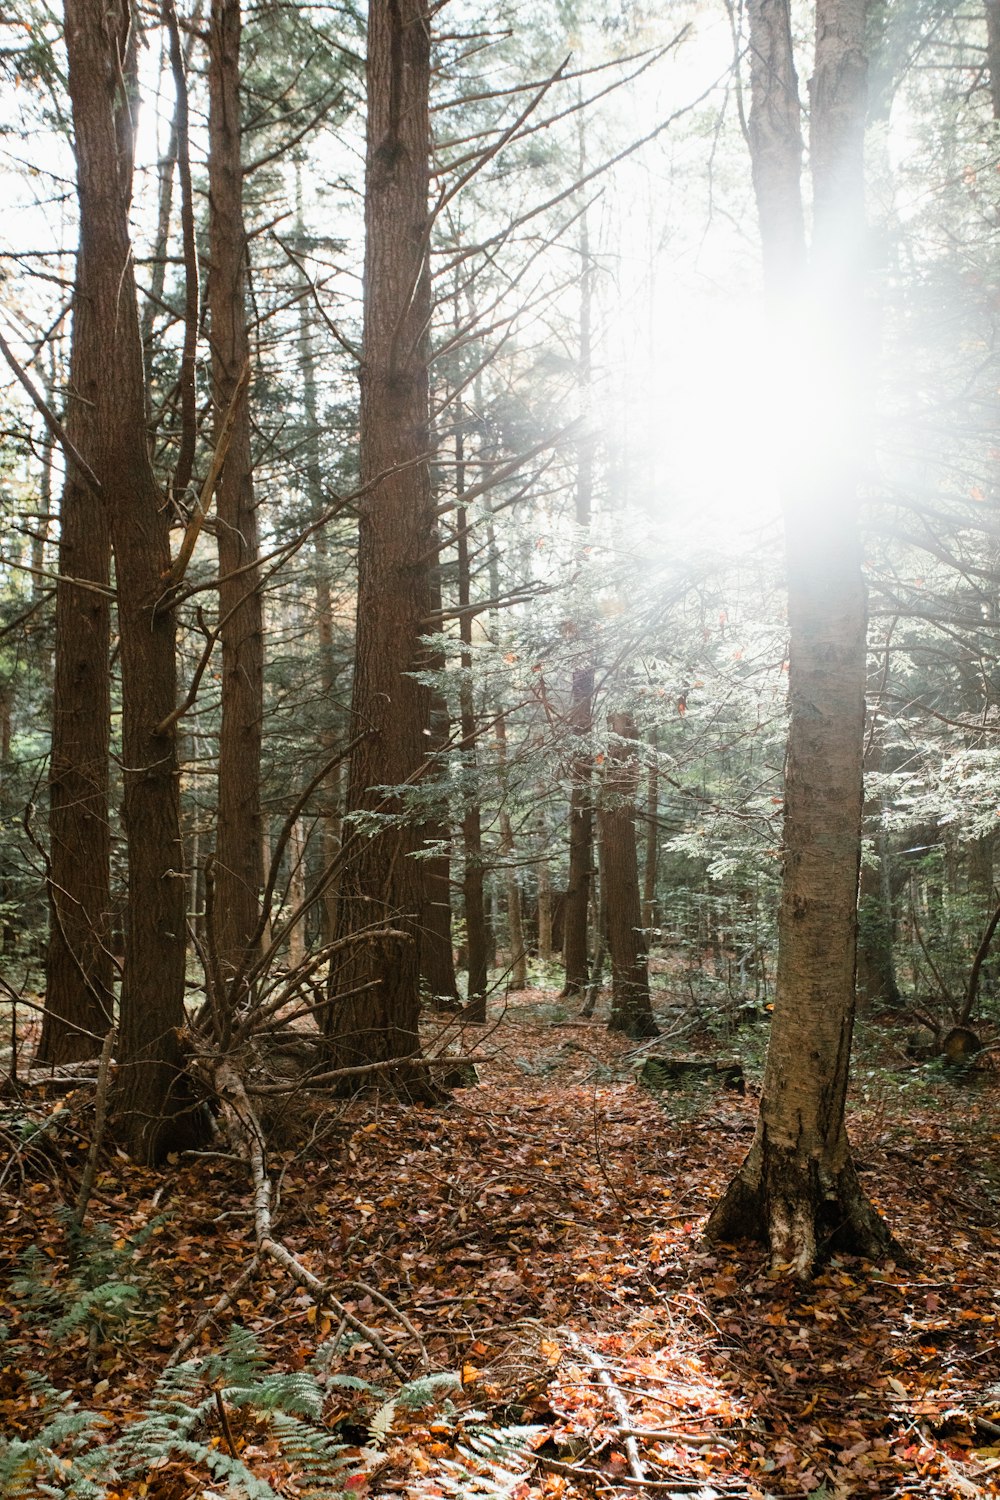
(798, 1190)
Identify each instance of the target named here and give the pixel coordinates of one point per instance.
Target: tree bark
(476, 931)
(238, 869)
(79, 972)
(152, 1099)
(375, 998)
(798, 1190)
(631, 1010)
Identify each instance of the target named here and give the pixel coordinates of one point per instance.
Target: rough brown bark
(79, 972)
(631, 1010)
(381, 883)
(797, 1189)
(152, 1099)
(238, 870)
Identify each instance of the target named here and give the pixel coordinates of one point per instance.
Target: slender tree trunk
(652, 841)
(375, 998)
(631, 1010)
(152, 1097)
(331, 792)
(876, 974)
(238, 872)
(797, 1189)
(581, 817)
(477, 939)
(993, 53)
(296, 894)
(518, 975)
(544, 904)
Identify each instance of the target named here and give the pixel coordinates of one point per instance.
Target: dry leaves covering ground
(540, 1237)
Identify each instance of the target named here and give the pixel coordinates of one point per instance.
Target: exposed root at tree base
(800, 1209)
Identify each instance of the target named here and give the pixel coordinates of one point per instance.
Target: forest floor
(539, 1236)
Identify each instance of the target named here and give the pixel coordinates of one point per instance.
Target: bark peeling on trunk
(797, 1190)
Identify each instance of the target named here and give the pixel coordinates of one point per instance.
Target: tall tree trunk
(798, 1190)
(631, 1010)
(152, 1098)
(330, 825)
(79, 972)
(238, 870)
(382, 886)
(652, 841)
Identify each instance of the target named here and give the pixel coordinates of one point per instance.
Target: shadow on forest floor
(540, 1235)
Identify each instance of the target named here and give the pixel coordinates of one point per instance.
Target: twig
(245, 1128)
(175, 573)
(620, 1405)
(425, 1358)
(220, 1305)
(52, 421)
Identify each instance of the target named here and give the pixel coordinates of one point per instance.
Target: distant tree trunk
(437, 957)
(876, 973)
(296, 894)
(581, 836)
(79, 971)
(331, 791)
(381, 884)
(518, 966)
(152, 1099)
(652, 841)
(631, 1011)
(238, 872)
(993, 53)
(477, 937)
(580, 719)
(798, 1190)
(544, 906)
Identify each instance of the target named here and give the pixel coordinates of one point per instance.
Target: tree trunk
(544, 904)
(993, 53)
(328, 736)
(152, 1099)
(382, 886)
(876, 974)
(517, 961)
(798, 1190)
(477, 937)
(652, 842)
(238, 871)
(631, 1011)
(79, 971)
